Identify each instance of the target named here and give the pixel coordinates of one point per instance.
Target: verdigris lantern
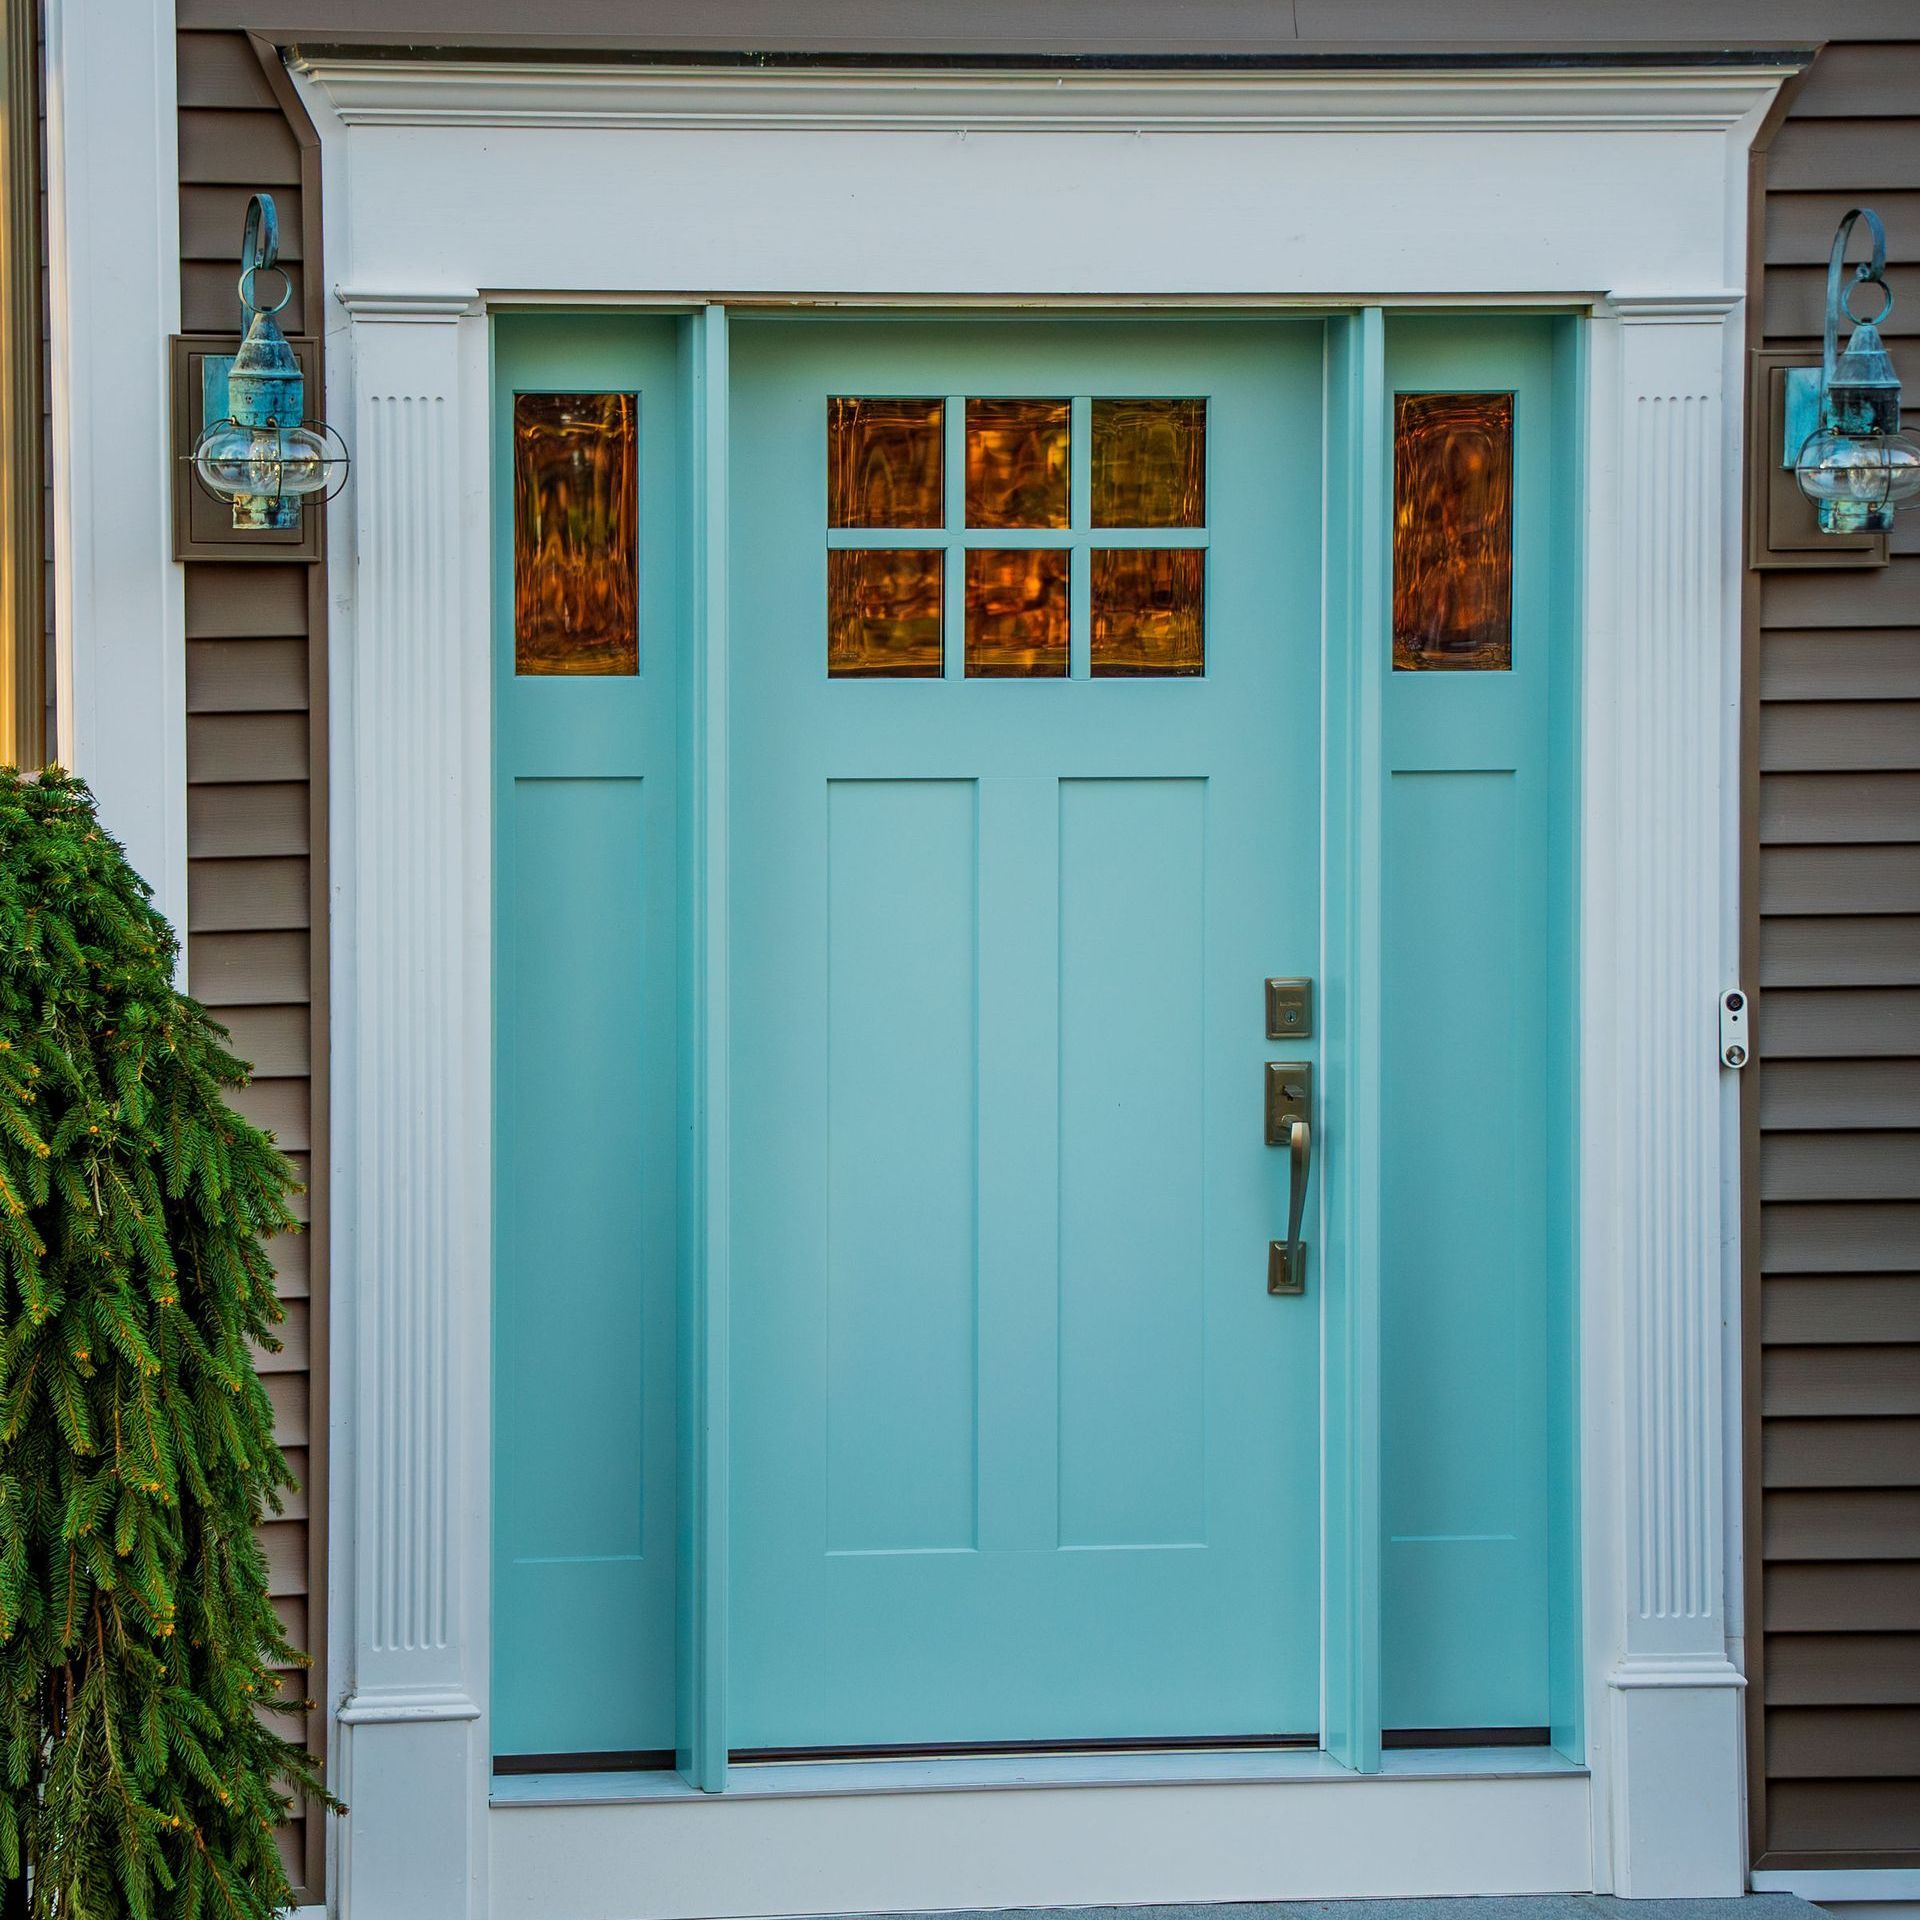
(264, 455)
(1843, 438)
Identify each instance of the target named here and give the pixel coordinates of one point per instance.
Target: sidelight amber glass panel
(1453, 530)
(885, 465)
(1017, 463)
(575, 533)
(1149, 611)
(1016, 613)
(884, 613)
(1149, 463)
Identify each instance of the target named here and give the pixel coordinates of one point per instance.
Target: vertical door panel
(901, 1194)
(1475, 1228)
(585, 1115)
(1132, 1174)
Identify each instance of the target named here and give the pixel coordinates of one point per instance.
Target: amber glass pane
(1149, 463)
(883, 612)
(1016, 613)
(575, 546)
(1017, 463)
(1149, 611)
(1453, 530)
(884, 463)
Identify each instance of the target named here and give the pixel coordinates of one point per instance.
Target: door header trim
(385, 91)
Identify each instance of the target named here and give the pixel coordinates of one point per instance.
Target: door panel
(585, 1118)
(1478, 1026)
(1022, 1448)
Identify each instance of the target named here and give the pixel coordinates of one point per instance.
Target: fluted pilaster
(1657, 675)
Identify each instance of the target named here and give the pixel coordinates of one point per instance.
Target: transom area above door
(1016, 537)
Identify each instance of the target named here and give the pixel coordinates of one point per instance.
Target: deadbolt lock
(1289, 1009)
(1289, 1098)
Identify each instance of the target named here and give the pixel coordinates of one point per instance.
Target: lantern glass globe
(266, 462)
(1865, 470)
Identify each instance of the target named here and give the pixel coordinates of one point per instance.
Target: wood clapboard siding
(256, 819)
(1833, 895)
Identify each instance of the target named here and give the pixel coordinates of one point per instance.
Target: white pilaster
(1664, 631)
(410, 1138)
(113, 286)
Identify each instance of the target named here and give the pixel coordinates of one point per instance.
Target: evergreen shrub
(142, 1666)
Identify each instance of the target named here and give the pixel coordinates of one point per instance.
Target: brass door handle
(1287, 1259)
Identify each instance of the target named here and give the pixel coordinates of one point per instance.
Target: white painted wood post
(1656, 670)
(410, 1135)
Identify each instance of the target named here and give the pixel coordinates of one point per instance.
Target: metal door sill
(821, 1779)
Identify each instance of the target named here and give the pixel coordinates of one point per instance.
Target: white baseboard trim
(701, 1857)
(1823, 1884)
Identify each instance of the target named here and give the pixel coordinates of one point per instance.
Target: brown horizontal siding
(1833, 897)
(1865, 1596)
(256, 815)
(1844, 1669)
(1832, 809)
(1807, 1308)
(1836, 951)
(1837, 1526)
(239, 969)
(1844, 1822)
(1840, 1166)
(1825, 1023)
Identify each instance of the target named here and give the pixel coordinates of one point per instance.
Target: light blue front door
(1022, 1447)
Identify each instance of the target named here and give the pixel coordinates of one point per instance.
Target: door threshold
(1025, 1749)
(820, 1779)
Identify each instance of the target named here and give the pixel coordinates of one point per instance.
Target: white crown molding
(439, 306)
(1658, 309)
(414, 93)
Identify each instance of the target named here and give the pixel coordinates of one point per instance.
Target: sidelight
(575, 533)
(1453, 531)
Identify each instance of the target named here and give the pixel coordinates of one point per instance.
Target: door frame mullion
(1356, 642)
(706, 1263)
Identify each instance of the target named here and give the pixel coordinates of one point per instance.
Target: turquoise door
(1026, 625)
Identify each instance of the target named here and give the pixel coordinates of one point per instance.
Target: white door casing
(455, 187)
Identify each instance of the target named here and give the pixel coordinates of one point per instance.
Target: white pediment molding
(399, 91)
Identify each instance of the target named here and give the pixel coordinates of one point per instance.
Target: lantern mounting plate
(1802, 411)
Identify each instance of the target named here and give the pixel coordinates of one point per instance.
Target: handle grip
(1287, 1259)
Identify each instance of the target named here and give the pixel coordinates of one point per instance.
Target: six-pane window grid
(1058, 538)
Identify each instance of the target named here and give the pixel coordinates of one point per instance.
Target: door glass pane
(884, 612)
(1149, 611)
(1453, 530)
(575, 533)
(1017, 463)
(1149, 463)
(1017, 613)
(884, 463)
